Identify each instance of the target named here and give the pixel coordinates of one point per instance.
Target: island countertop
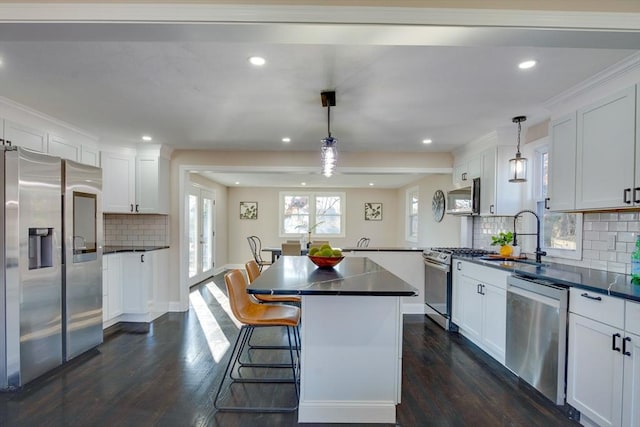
(297, 275)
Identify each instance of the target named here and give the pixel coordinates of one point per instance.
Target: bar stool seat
(253, 271)
(253, 315)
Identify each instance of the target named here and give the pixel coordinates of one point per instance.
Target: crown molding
(174, 12)
(16, 105)
(616, 71)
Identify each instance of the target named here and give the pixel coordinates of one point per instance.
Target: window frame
(538, 201)
(312, 212)
(409, 236)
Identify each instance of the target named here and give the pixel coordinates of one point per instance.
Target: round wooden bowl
(325, 262)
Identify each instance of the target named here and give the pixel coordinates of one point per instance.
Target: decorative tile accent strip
(136, 230)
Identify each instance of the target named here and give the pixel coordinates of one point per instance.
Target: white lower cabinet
(111, 287)
(135, 286)
(594, 377)
(603, 363)
(479, 306)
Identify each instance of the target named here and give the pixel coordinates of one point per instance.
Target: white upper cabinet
(118, 182)
(606, 153)
(58, 146)
(89, 156)
(498, 196)
(466, 170)
(135, 184)
(24, 136)
(562, 164)
(152, 184)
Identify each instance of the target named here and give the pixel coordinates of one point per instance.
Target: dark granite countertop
(297, 275)
(383, 249)
(606, 282)
(116, 249)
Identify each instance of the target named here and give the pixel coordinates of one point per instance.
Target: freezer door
(33, 272)
(82, 258)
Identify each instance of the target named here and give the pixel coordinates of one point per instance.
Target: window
(320, 212)
(412, 214)
(561, 233)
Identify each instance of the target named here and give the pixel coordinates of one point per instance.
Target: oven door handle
(441, 267)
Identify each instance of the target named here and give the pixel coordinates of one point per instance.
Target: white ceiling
(190, 86)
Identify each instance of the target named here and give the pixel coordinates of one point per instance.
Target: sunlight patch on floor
(217, 341)
(223, 301)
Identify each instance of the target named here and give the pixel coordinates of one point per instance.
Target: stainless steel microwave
(464, 201)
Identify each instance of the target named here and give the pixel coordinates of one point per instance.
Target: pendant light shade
(328, 151)
(518, 165)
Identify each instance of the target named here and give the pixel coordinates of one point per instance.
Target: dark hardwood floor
(168, 377)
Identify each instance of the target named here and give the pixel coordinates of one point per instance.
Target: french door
(201, 204)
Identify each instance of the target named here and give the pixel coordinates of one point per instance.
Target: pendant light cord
(519, 129)
(329, 119)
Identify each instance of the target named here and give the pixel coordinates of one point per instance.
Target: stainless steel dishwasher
(537, 334)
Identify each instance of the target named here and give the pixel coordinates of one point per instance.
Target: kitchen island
(351, 361)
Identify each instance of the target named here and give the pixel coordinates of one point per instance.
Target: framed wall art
(373, 211)
(248, 210)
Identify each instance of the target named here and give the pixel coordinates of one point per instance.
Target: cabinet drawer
(482, 273)
(632, 317)
(596, 306)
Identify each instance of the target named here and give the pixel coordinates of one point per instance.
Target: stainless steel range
(437, 281)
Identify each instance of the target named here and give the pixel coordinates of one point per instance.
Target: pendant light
(518, 165)
(328, 151)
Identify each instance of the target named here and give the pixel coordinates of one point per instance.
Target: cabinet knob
(491, 208)
(459, 265)
(142, 258)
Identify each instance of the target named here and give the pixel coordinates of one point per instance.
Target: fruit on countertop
(325, 251)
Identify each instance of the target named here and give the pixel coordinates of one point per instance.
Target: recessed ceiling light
(527, 64)
(146, 138)
(303, 183)
(371, 184)
(237, 182)
(257, 61)
(285, 139)
(427, 141)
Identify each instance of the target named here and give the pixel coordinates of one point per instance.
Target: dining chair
(253, 271)
(363, 242)
(253, 315)
(291, 249)
(256, 248)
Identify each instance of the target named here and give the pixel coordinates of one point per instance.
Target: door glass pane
(207, 234)
(193, 235)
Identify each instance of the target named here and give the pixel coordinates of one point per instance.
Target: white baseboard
(412, 308)
(346, 412)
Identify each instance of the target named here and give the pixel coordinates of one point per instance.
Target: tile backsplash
(136, 230)
(599, 230)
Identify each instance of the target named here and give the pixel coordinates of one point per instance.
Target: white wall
(382, 233)
(430, 232)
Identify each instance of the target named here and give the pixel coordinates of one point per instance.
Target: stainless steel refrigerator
(36, 312)
(82, 258)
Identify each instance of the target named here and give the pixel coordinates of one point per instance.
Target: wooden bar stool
(253, 315)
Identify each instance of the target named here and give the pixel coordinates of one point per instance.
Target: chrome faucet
(539, 251)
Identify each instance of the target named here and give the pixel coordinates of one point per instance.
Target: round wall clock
(437, 205)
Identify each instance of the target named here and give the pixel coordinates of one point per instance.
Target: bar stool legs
(234, 362)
